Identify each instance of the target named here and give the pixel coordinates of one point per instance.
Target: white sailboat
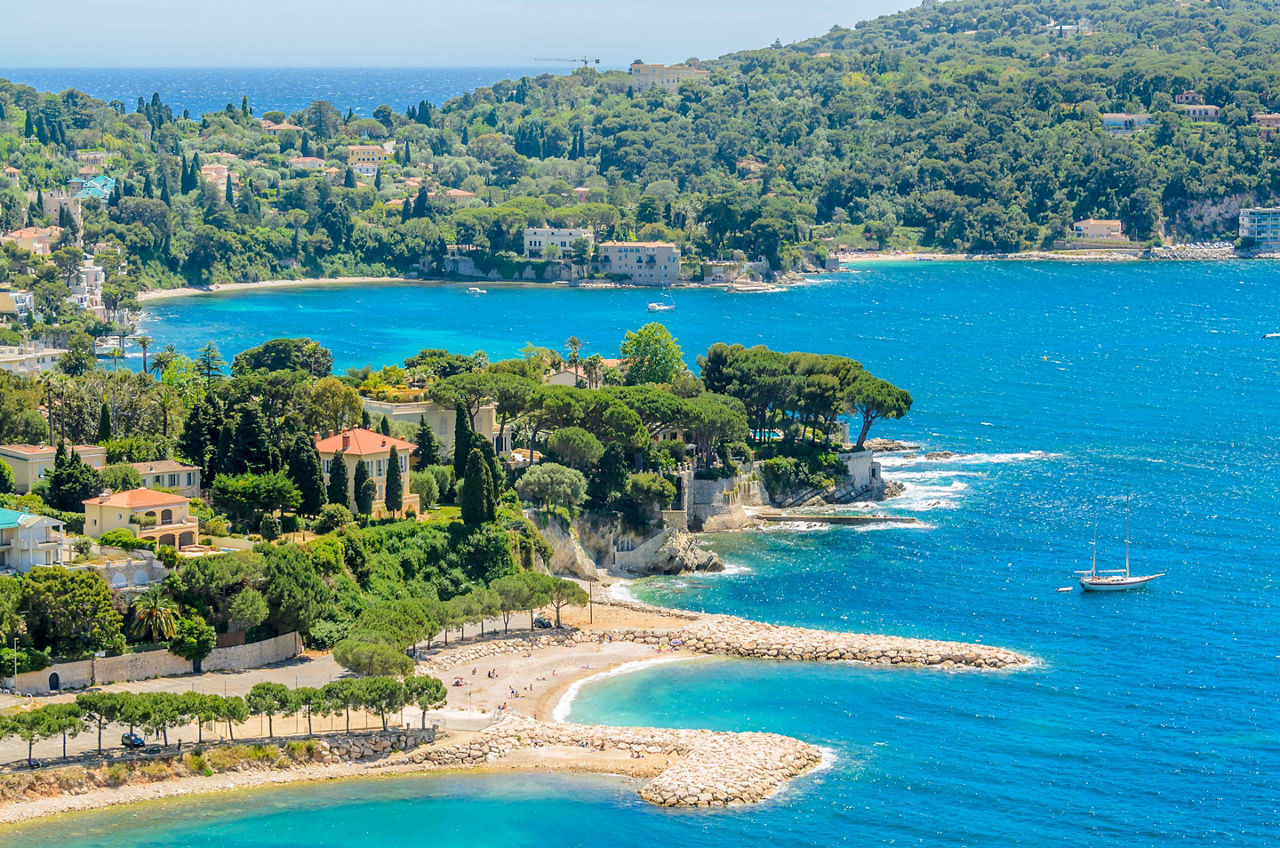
(1114, 580)
(662, 305)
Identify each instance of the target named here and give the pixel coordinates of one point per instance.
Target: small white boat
(665, 305)
(474, 290)
(1272, 336)
(751, 288)
(1115, 580)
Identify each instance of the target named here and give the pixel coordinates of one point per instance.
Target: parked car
(132, 740)
(542, 621)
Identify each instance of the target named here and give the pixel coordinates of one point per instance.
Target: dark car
(132, 740)
(541, 621)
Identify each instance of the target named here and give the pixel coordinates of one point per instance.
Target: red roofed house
(173, 522)
(374, 450)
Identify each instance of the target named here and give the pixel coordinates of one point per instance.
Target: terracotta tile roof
(361, 442)
(138, 498)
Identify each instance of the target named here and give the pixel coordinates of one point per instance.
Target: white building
(538, 239)
(649, 263)
(14, 304)
(29, 358)
(86, 289)
(1262, 225)
(28, 540)
(668, 76)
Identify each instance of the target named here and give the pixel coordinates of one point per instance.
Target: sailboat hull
(1116, 584)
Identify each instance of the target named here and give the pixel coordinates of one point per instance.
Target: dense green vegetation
(969, 125)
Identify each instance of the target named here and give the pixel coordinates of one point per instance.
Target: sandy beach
(226, 288)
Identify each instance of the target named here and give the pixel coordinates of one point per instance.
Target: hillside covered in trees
(969, 125)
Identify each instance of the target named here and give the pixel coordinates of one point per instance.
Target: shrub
(269, 527)
(124, 539)
(28, 660)
(196, 764)
(290, 523)
(154, 770)
(116, 774)
(301, 749)
(332, 516)
(324, 634)
(216, 526)
(83, 546)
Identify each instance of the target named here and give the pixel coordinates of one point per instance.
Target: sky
(412, 33)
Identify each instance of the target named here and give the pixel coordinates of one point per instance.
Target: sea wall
(720, 504)
(726, 635)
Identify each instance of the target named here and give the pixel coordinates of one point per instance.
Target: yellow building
(32, 463)
(374, 450)
(366, 159)
(1096, 228)
(173, 522)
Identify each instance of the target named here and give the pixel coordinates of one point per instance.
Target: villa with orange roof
(146, 513)
(374, 450)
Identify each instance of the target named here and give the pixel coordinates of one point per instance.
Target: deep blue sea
(202, 90)
(1067, 391)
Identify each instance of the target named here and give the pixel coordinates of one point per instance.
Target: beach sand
(223, 288)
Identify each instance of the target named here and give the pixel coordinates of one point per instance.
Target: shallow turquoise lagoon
(1154, 716)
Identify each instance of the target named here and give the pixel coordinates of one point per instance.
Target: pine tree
(461, 442)
(306, 471)
(104, 424)
(361, 478)
(477, 502)
(384, 426)
(395, 485)
(428, 450)
(336, 491)
(251, 451)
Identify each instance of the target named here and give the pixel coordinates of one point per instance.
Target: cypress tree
(477, 501)
(428, 450)
(306, 472)
(104, 423)
(220, 462)
(364, 504)
(230, 196)
(336, 491)
(496, 472)
(395, 486)
(193, 442)
(28, 129)
(364, 419)
(348, 179)
(384, 427)
(251, 451)
(377, 180)
(461, 442)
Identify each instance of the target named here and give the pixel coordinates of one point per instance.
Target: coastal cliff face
(594, 543)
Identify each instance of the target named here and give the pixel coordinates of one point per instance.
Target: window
(173, 479)
(326, 465)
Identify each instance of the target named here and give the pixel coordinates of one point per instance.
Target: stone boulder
(681, 554)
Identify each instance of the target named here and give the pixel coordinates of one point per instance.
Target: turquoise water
(1154, 717)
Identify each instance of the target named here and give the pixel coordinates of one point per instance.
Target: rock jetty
(704, 768)
(727, 635)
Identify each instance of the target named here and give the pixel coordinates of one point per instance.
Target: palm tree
(155, 615)
(163, 359)
(144, 342)
(592, 368)
(574, 346)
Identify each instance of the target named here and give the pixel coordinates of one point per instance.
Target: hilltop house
(1190, 97)
(169, 474)
(32, 463)
(366, 159)
(37, 240)
(669, 77)
(273, 129)
(440, 419)
(650, 263)
(14, 304)
(374, 450)
(1125, 123)
(28, 540)
(1268, 124)
(29, 358)
(12, 174)
(1199, 111)
(99, 188)
(306, 162)
(148, 514)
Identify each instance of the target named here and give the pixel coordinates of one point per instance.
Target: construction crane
(583, 59)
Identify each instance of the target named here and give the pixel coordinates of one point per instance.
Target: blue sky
(271, 33)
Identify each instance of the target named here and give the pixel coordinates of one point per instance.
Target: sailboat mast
(1126, 541)
(1093, 567)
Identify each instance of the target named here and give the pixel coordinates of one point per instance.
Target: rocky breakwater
(702, 768)
(366, 746)
(738, 637)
